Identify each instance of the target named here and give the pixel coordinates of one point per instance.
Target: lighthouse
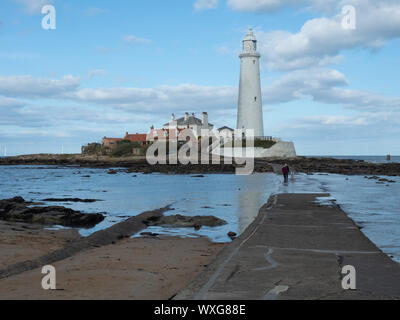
(250, 114)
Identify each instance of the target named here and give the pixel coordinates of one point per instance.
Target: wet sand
(25, 241)
(140, 268)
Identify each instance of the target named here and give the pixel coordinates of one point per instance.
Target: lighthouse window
(255, 99)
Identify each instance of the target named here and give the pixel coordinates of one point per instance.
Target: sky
(111, 67)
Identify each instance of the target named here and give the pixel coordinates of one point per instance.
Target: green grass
(266, 144)
(125, 148)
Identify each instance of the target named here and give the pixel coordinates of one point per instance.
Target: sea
(237, 199)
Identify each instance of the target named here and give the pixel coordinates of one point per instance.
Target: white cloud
(332, 120)
(326, 86)
(120, 109)
(184, 97)
(321, 41)
(10, 103)
(34, 6)
(299, 85)
(206, 4)
(322, 85)
(259, 5)
(268, 6)
(31, 87)
(137, 40)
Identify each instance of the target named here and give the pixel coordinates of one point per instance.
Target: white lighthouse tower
(250, 114)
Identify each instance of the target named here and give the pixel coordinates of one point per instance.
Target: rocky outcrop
(179, 221)
(140, 165)
(328, 165)
(70, 200)
(18, 210)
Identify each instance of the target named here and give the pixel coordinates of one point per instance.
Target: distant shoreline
(139, 164)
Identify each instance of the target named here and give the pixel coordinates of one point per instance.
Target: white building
(250, 114)
(226, 134)
(190, 122)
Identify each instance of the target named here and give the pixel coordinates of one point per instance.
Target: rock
(70, 200)
(149, 234)
(179, 221)
(232, 235)
(15, 200)
(301, 164)
(198, 176)
(386, 180)
(17, 210)
(112, 172)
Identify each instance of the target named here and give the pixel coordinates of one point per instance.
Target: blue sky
(116, 66)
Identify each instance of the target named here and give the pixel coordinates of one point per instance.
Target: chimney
(205, 120)
(186, 116)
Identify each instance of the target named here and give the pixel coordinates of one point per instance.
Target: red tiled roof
(136, 137)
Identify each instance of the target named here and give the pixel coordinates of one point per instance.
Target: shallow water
(236, 199)
(374, 207)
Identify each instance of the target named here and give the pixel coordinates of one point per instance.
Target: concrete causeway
(296, 249)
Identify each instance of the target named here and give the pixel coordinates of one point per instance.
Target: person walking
(285, 172)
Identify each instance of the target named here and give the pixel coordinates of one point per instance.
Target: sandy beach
(140, 268)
